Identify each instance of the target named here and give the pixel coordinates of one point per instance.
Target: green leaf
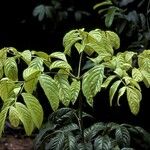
(79, 47)
(64, 88)
(146, 78)
(119, 72)
(107, 2)
(31, 80)
(122, 136)
(61, 65)
(135, 84)
(57, 142)
(25, 117)
(128, 56)
(13, 117)
(134, 97)
(6, 89)
(1, 69)
(34, 108)
(51, 90)
(92, 81)
(96, 34)
(109, 18)
(102, 143)
(3, 115)
(41, 54)
(37, 63)
(113, 90)
(91, 132)
(144, 60)
(70, 39)
(26, 56)
(108, 80)
(30, 73)
(137, 75)
(75, 89)
(71, 143)
(120, 93)
(58, 55)
(11, 69)
(39, 11)
(3, 55)
(113, 39)
(31, 85)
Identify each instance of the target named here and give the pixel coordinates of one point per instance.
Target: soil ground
(11, 142)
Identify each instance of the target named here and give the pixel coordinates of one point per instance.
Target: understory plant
(62, 132)
(90, 61)
(129, 18)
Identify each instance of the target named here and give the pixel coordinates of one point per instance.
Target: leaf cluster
(129, 18)
(62, 132)
(59, 82)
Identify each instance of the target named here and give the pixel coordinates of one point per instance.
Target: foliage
(62, 84)
(129, 18)
(55, 12)
(62, 131)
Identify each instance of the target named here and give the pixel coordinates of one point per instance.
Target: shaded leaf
(122, 136)
(102, 143)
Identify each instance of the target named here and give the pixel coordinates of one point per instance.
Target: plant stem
(80, 120)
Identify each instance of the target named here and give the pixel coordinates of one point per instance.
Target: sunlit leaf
(137, 75)
(6, 89)
(26, 56)
(92, 81)
(70, 39)
(13, 117)
(64, 88)
(34, 108)
(134, 97)
(146, 78)
(11, 69)
(75, 89)
(25, 117)
(60, 64)
(120, 93)
(108, 80)
(113, 39)
(51, 90)
(1, 69)
(3, 115)
(113, 90)
(58, 55)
